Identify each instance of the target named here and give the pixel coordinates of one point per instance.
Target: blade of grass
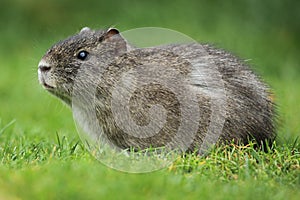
(6, 126)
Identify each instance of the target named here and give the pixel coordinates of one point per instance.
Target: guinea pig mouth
(44, 84)
(47, 87)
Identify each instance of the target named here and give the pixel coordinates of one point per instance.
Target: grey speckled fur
(248, 110)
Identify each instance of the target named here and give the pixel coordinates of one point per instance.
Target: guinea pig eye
(82, 55)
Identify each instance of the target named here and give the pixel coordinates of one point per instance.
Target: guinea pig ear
(85, 29)
(110, 33)
(114, 39)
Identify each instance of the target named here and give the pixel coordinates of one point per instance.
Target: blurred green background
(264, 32)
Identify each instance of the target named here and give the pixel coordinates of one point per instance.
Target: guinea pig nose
(44, 68)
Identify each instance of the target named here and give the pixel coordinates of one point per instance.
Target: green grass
(43, 168)
(36, 164)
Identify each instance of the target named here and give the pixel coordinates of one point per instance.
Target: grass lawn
(41, 155)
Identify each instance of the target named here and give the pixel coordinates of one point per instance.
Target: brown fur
(248, 110)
